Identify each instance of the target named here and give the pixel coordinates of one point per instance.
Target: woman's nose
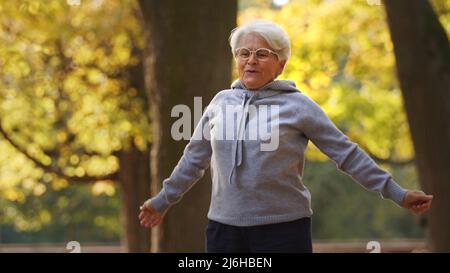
(252, 59)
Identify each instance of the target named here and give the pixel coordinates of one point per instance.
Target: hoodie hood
(270, 89)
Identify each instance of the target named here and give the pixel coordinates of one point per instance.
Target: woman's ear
(282, 64)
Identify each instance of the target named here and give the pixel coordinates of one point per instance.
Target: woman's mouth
(251, 71)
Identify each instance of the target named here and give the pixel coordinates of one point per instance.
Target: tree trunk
(186, 55)
(422, 54)
(134, 174)
(134, 177)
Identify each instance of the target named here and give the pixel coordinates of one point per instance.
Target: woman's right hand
(417, 201)
(149, 217)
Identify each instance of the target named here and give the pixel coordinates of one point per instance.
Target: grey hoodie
(259, 180)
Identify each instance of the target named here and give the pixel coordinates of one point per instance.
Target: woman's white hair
(274, 35)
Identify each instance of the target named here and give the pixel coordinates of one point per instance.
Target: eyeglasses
(261, 54)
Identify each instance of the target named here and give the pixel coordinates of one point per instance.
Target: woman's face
(254, 73)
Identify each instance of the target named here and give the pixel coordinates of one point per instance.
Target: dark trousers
(288, 237)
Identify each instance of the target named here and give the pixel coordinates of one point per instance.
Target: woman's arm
(190, 168)
(353, 161)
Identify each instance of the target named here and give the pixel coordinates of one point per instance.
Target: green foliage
(344, 210)
(66, 98)
(59, 217)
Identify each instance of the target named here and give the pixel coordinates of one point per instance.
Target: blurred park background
(86, 89)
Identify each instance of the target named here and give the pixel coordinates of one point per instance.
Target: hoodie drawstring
(237, 147)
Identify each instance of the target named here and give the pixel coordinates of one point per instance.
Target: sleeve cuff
(395, 192)
(159, 202)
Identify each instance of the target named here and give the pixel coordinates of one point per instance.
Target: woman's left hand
(417, 201)
(149, 217)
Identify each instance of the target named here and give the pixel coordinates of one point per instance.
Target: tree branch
(50, 169)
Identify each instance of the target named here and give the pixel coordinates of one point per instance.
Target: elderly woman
(259, 202)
